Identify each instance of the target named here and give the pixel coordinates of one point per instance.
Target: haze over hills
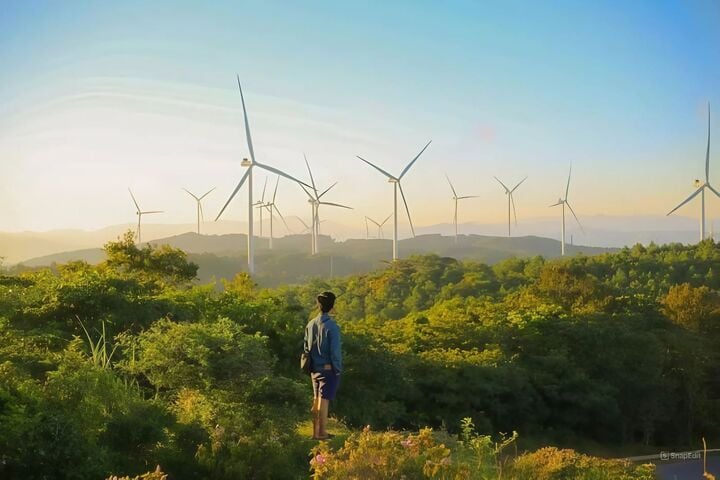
(223, 256)
(600, 231)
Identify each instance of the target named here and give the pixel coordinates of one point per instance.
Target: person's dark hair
(326, 301)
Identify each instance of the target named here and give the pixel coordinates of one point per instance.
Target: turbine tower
(273, 206)
(702, 186)
(199, 205)
(249, 164)
(315, 200)
(511, 200)
(456, 198)
(564, 202)
(379, 224)
(396, 185)
(140, 213)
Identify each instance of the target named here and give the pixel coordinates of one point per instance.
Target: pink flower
(320, 459)
(406, 443)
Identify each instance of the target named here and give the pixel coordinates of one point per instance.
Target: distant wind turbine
(315, 200)
(260, 205)
(140, 213)
(248, 176)
(271, 205)
(564, 202)
(455, 199)
(511, 200)
(379, 225)
(199, 205)
(396, 185)
(702, 186)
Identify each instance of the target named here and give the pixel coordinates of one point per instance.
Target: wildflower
(320, 459)
(406, 443)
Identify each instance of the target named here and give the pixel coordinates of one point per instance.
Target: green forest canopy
(130, 363)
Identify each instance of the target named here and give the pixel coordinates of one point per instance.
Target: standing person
(322, 343)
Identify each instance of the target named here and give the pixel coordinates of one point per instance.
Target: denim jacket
(322, 341)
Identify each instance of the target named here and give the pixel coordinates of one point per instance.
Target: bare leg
(322, 423)
(316, 416)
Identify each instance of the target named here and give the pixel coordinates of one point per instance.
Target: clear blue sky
(96, 96)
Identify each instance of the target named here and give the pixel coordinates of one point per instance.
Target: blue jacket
(322, 341)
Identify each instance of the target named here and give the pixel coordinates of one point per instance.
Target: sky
(96, 97)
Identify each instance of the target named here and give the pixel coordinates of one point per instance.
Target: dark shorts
(325, 384)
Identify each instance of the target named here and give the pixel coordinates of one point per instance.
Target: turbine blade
(413, 161)
(281, 173)
(567, 189)
(133, 199)
(307, 227)
(512, 201)
(707, 154)
(377, 168)
(373, 221)
(407, 209)
(153, 211)
(242, 180)
(202, 214)
(468, 196)
(507, 190)
(310, 195)
(388, 218)
(695, 193)
(451, 185)
(555, 204)
(519, 183)
(262, 197)
(207, 193)
(576, 218)
(281, 217)
(312, 180)
(335, 205)
(327, 190)
(247, 124)
(190, 193)
(713, 190)
(277, 182)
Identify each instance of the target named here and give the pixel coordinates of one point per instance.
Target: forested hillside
(130, 363)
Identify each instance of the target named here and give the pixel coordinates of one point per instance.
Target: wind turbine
(379, 225)
(315, 200)
(140, 213)
(248, 176)
(702, 186)
(396, 185)
(260, 205)
(273, 206)
(511, 200)
(456, 198)
(564, 202)
(199, 205)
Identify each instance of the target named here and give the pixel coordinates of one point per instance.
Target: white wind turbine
(199, 205)
(379, 224)
(511, 200)
(702, 186)
(273, 206)
(456, 198)
(564, 202)
(260, 205)
(248, 176)
(140, 213)
(396, 185)
(315, 200)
